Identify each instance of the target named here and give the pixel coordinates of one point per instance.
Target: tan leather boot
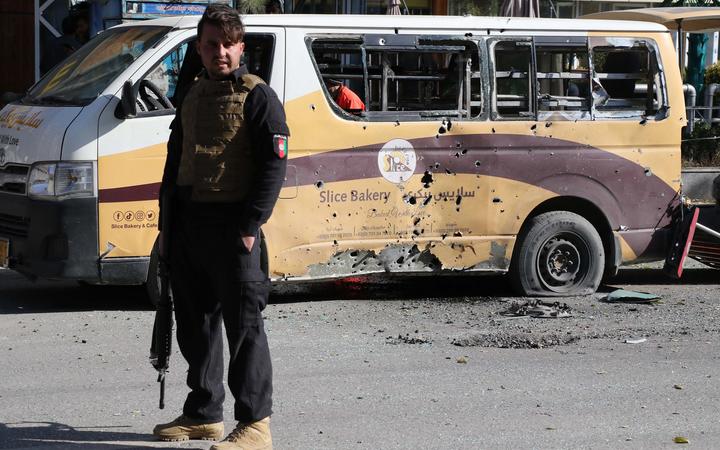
(184, 428)
(248, 436)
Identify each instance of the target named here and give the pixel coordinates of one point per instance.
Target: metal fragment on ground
(539, 309)
(625, 296)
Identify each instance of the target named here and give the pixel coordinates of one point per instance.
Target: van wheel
(152, 284)
(559, 254)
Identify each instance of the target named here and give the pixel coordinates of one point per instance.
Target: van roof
(689, 19)
(356, 22)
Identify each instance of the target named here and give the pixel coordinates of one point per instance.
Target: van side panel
(485, 178)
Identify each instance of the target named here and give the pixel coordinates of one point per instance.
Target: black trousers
(215, 279)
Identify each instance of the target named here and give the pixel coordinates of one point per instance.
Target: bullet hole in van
(458, 200)
(335, 242)
(437, 136)
(443, 236)
(468, 34)
(648, 172)
(334, 214)
(437, 165)
(497, 200)
(400, 260)
(548, 124)
(463, 151)
(354, 253)
(457, 234)
(532, 128)
(427, 200)
(397, 123)
(493, 130)
(449, 172)
(643, 121)
(458, 144)
(320, 184)
(312, 106)
(441, 130)
(410, 199)
(416, 232)
(364, 127)
(477, 163)
(449, 125)
(416, 221)
(457, 154)
(427, 178)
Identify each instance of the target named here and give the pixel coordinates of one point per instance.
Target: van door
(131, 157)
(132, 151)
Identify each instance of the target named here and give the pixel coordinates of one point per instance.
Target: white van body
(79, 182)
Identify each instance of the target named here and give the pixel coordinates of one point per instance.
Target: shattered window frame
(378, 75)
(563, 106)
(656, 99)
(531, 97)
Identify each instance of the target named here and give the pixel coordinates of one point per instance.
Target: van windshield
(80, 78)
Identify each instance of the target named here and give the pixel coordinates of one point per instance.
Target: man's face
(219, 56)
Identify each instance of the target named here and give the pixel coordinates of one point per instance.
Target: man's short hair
(225, 18)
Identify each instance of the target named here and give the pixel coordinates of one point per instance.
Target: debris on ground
(462, 360)
(539, 309)
(635, 341)
(406, 339)
(625, 296)
(514, 340)
(681, 440)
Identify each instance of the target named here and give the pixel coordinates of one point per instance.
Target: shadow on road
(18, 295)
(52, 435)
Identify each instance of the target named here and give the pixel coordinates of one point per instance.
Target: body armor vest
(217, 155)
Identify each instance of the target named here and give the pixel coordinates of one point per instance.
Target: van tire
(558, 254)
(152, 283)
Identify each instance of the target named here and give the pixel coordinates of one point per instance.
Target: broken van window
(408, 78)
(631, 80)
(513, 70)
(563, 80)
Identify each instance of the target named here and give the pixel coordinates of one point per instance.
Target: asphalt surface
(418, 363)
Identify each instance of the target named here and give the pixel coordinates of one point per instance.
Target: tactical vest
(217, 154)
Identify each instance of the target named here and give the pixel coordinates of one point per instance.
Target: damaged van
(549, 149)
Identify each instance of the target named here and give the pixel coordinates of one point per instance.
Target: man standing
(225, 167)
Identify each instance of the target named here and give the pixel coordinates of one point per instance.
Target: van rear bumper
(51, 239)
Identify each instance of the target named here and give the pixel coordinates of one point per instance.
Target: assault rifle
(162, 334)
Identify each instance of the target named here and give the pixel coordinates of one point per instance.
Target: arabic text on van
(12, 118)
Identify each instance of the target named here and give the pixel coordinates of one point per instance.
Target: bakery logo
(397, 161)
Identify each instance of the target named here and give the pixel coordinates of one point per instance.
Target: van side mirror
(127, 107)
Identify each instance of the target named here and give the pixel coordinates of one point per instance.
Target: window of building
(402, 76)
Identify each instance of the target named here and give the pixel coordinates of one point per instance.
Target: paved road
(414, 364)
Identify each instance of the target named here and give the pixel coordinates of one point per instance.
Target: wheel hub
(560, 260)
